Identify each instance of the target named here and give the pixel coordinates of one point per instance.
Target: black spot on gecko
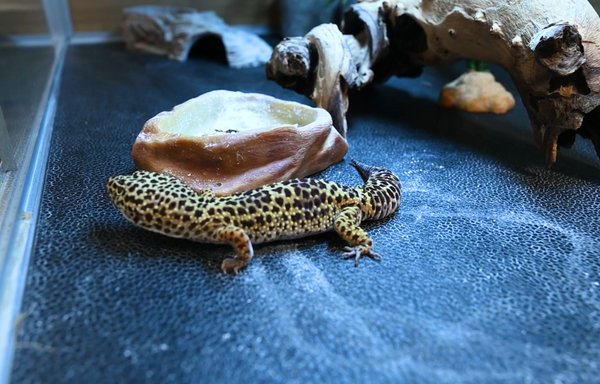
(247, 223)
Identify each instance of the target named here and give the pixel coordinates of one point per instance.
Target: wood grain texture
(93, 15)
(552, 55)
(22, 17)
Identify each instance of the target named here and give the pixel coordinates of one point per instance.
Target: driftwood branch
(551, 52)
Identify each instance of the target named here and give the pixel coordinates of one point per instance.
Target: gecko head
(146, 198)
(126, 189)
(128, 193)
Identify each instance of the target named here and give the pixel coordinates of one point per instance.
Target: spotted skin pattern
(286, 210)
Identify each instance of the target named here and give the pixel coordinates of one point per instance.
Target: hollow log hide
(551, 50)
(172, 31)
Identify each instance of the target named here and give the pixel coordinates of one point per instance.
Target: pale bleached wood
(551, 52)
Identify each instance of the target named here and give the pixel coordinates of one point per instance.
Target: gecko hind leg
(240, 241)
(346, 224)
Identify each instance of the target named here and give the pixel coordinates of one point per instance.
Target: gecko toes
(358, 252)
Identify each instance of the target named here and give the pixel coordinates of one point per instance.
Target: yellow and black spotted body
(285, 210)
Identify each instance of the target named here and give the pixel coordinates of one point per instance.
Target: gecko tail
(382, 190)
(363, 169)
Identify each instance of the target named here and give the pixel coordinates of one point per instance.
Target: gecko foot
(357, 252)
(234, 265)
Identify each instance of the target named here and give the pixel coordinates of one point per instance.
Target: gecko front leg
(346, 224)
(240, 241)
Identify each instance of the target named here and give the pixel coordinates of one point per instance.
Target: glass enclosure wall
(33, 40)
(26, 58)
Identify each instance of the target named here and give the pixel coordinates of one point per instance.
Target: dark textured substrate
(491, 270)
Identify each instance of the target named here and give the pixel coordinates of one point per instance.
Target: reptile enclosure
(490, 270)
